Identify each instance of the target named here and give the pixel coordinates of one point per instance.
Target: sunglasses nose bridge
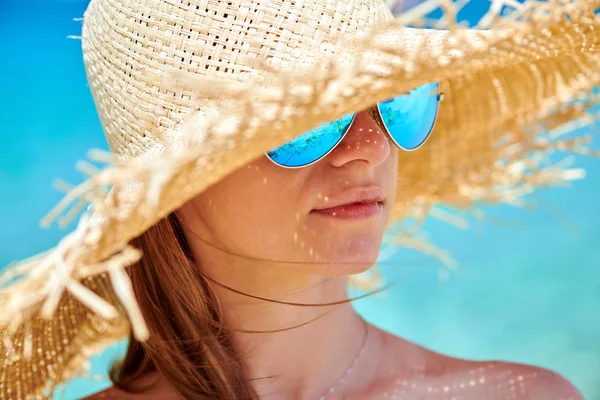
(364, 139)
(376, 117)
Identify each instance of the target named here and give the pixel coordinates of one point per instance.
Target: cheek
(254, 211)
(392, 173)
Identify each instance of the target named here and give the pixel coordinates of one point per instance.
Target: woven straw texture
(188, 91)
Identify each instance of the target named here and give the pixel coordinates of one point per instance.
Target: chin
(354, 255)
(353, 268)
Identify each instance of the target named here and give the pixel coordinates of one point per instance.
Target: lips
(352, 211)
(356, 195)
(357, 202)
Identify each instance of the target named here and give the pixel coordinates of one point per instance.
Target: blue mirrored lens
(409, 118)
(312, 145)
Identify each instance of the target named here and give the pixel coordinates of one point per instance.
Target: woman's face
(266, 211)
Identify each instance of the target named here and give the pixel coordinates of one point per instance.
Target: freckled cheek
(307, 235)
(392, 168)
(393, 156)
(280, 236)
(307, 243)
(275, 220)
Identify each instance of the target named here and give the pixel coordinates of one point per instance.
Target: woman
(241, 289)
(253, 342)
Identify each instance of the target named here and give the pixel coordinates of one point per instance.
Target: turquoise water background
(528, 289)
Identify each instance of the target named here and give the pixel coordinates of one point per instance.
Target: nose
(365, 141)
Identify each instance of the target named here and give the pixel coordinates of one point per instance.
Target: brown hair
(188, 344)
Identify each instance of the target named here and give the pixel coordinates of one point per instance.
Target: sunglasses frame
(440, 98)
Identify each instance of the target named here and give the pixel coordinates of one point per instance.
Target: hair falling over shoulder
(188, 343)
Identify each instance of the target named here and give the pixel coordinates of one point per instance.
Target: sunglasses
(408, 120)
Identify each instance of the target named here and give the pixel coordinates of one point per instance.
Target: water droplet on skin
(302, 246)
(320, 196)
(310, 251)
(265, 179)
(295, 237)
(334, 214)
(326, 198)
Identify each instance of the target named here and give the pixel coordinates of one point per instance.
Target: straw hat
(188, 91)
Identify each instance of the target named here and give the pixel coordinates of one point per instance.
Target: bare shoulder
(421, 373)
(536, 382)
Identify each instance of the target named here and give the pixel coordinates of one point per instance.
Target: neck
(292, 351)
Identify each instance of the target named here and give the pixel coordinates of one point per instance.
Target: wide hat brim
(509, 96)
